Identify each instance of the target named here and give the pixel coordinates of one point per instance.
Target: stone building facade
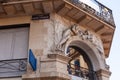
(69, 39)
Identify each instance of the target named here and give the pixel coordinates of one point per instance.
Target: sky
(113, 59)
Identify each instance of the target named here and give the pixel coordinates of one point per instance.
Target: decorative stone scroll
(75, 30)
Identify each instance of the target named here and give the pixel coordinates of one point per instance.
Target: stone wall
(49, 37)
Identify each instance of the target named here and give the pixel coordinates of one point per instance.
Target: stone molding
(104, 73)
(59, 56)
(50, 76)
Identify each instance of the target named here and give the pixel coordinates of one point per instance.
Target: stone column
(103, 74)
(52, 67)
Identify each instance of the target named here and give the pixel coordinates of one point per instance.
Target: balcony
(81, 74)
(103, 13)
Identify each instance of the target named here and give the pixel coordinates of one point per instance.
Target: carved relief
(67, 33)
(59, 28)
(75, 30)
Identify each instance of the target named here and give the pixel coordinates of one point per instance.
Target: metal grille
(13, 68)
(104, 14)
(81, 72)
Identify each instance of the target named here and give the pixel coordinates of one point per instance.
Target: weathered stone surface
(103, 74)
(54, 66)
(44, 38)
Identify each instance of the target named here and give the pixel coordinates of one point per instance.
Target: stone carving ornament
(65, 36)
(75, 30)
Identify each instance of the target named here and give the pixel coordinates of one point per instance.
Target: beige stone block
(48, 66)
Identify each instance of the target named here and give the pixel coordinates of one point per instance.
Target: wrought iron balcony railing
(81, 72)
(104, 13)
(13, 68)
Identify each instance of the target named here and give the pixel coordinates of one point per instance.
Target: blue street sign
(32, 60)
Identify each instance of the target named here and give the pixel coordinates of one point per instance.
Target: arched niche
(95, 57)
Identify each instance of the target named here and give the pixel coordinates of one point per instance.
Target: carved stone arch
(90, 50)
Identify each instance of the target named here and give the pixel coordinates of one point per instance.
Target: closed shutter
(5, 45)
(13, 43)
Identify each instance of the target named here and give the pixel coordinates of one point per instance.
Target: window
(13, 51)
